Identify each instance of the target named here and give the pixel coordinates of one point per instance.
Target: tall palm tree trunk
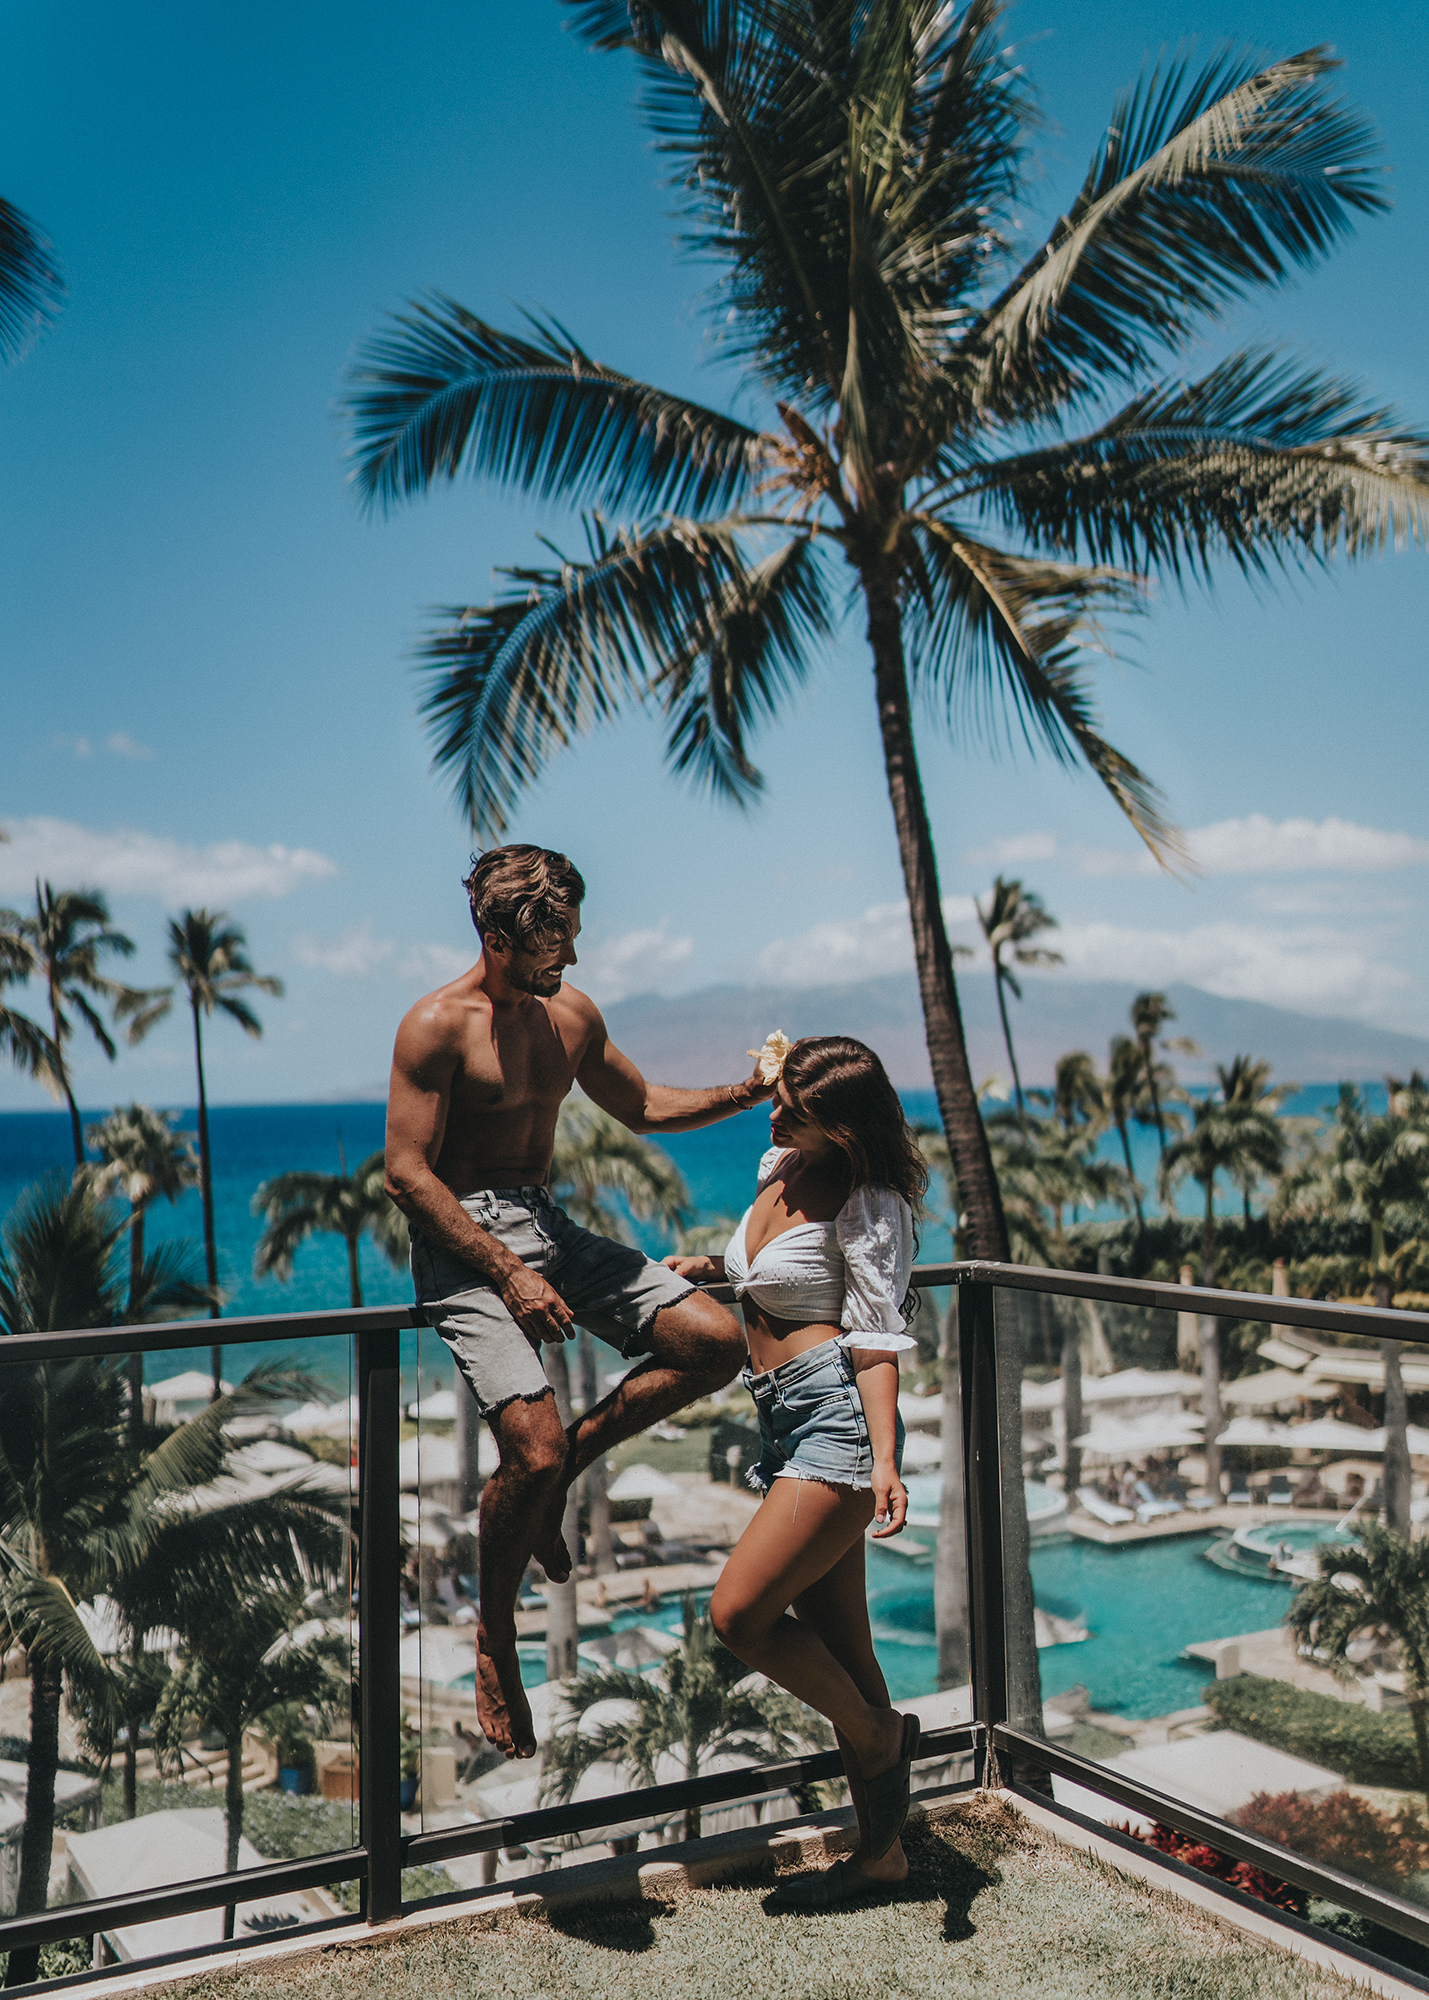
(37, 1839)
(354, 1271)
(1131, 1176)
(134, 1369)
(205, 1181)
(1211, 1352)
(62, 1067)
(1396, 1440)
(131, 1741)
(1071, 1405)
(999, 982)
(1417, 1719)
(978, 1191)
(232, 1814)
(597, 1475)
(1148, 1056)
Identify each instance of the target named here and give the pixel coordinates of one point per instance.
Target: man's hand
(535, 1306)
(699, 1270)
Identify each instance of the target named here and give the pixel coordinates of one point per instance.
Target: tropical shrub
(1342, 1831)
(1367, 1749)
(1242, 1875)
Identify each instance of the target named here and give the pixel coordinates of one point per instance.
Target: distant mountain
(702, 1036)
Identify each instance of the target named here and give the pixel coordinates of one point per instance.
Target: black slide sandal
(887, 1794)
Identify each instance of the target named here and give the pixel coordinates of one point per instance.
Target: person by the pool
(821, 1262)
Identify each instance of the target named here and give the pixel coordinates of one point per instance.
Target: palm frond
(31, 288)
(572, 645)
(1260, 459)
(442, 393)
(31, 1050)
(1003, 640)
(1205, 185)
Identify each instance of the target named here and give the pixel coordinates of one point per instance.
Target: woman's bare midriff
(774, 1341)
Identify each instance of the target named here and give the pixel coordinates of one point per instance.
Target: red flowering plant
(1342, 1831)
(1242, 1875)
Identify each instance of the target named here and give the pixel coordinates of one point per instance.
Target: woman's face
(789, 1127)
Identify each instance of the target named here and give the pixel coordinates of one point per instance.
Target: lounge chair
(1279, 1494)
(1239, 1495)
(1149, 1508)
(1105, 1511)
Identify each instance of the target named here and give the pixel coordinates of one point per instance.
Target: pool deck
(1204, 1521)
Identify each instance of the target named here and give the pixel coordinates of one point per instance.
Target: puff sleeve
(875, 1232)
(767, 1165)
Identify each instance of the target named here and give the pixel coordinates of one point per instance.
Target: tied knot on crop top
(852, 1272)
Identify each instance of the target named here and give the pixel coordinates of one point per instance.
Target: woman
(821, 1262)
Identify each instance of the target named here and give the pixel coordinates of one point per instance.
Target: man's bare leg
(533, 1455)
(697, 1347)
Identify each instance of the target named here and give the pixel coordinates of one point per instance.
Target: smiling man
(479, 1074)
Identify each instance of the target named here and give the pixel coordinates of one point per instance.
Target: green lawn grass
(991, 1908)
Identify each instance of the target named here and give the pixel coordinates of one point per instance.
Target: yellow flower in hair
(772, 1057)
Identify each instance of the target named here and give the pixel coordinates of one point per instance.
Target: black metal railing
(383, 1850)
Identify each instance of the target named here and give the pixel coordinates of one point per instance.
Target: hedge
(1366, 1748)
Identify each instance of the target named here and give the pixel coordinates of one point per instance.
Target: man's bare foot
(502, 1709)
(549, 1547)
(890, 1867)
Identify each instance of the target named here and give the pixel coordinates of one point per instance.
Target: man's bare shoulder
(441, 1019)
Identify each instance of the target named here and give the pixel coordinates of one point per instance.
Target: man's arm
(612, 1081)
(423, 1065)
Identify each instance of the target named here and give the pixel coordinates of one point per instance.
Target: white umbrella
(1416, 1435)
(323, 1419)
(1254, 1430)
(440, 1407)
(921, 1450)
(1109, 1439)
(1330, 1434)
(643, 1482)
(1275, 1389)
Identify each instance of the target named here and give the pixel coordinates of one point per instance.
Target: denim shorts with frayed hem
(811, 1422)
(613, 1290)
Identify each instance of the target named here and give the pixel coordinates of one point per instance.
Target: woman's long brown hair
(841, 1086)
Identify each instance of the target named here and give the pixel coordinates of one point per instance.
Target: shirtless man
(479, 1073)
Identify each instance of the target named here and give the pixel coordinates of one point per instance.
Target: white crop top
(852, 1272)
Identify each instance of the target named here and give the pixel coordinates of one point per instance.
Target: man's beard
(544, 985)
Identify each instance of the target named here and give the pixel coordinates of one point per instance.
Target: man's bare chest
(509, 1065)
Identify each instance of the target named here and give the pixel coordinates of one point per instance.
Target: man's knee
(707, 1338)
(532, 1441)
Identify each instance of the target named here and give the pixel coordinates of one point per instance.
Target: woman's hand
(890, 1498)
(699, 1270)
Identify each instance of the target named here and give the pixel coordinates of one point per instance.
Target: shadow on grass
(626, 1927)
(938, 1871)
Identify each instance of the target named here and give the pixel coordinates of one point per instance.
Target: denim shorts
(613, 1290)
(811, 1422)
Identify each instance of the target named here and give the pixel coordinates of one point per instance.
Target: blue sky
(206, 645)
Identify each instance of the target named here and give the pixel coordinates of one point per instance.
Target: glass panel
(654, 1525)
(178, 1598)
(1168, 1590)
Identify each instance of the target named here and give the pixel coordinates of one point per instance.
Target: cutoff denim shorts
(613, 1290)
(811, 1422)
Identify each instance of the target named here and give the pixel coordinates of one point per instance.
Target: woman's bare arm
(878, 1386)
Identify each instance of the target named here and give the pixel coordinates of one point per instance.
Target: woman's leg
(836, 1607)
(803, 1531)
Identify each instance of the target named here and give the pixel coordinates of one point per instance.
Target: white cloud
(356, 954)
(1311, 969)
(436, 964)
(122, 744)
(634, 962)
(128, 862)
(81, 745)
(1256, 845)
(1010, 853)
(869, 946)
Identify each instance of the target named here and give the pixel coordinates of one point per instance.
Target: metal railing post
(380, 1621)
(982, 1471)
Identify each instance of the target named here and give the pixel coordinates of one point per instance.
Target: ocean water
(252, 1142)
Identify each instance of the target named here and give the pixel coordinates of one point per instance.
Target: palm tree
(1149, 1014)
(1014, 915)
(79, 1505)
(1241, 1140)
(1382, 1578)
(941, 418)
(698, 1705)
(247, 1651)
(144, 1158)
(62, 944)
(299, 1205)
(1125, 1094)
(1376, 1170)
(1247, 1081)
(24, 1040)
(209, 955)
(31, 288)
